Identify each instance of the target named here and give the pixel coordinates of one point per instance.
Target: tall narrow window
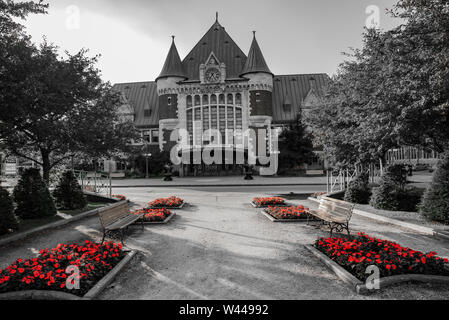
(197, 100)
(238, 99)
(189, 101)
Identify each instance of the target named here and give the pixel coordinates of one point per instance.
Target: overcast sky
(133, 36)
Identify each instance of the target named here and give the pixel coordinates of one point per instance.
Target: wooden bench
(116, 218)
(335, 213)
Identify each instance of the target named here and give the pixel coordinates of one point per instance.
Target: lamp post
(147, 155)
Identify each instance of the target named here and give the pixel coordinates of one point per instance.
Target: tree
(435, 202)
(393, 91)
(68, 194)
(53, 107)
(57, 107)
(32, 197)
(7, 219)
(295, 145)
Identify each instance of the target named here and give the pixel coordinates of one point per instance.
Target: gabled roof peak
(256, 62)
(173, 65)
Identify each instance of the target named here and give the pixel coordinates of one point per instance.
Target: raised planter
(166, 220)
(180, 207)
(270, 205)
(360, 288)
(21, 235)
(93, 293)
(273, 219)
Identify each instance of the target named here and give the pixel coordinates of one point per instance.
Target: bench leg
(104, 236)
(122, 233)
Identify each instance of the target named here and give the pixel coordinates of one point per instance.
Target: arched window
(221, 99)
(238, 99)
(230, 99)
(213, 99)
(189, 101)
(205, 99)
(197, 100)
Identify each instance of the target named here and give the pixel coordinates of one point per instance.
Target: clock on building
(213, 75)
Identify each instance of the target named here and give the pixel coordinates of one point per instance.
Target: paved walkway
(219, 247)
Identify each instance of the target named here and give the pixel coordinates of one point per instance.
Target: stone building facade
(218, 87)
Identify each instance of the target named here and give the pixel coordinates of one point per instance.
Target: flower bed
(119, 196)
(153, 215)
(288, 213)
(391, 258)
(48, 270)
(268, 201)
(171, 202)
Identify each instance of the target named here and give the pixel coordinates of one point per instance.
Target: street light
(147, 155)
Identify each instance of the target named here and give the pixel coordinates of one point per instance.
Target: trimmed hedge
(32, 196)
(68, 194)
(392, 194)
(358, 190)
(435, 202)
(8, 221)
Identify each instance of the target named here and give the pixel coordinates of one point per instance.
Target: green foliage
(358, 190)
(32, 197)
(68, 194)
(435, 203)
(392, 193)
(54, 106)
(7, 219)
(391, 92)
(155, 163)
(295, 146)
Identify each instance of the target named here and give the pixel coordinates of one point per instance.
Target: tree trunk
(46, 166)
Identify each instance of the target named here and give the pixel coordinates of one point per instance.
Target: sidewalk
(218, 181)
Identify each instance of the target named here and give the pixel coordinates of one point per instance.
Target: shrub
(68, 194)
(32, 196)
(8, 221)
(358, 190)
(435, 202)
(391, 193)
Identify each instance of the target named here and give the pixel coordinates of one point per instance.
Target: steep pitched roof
(218, 41)
(172, 66)
(141, 96)
(255, 62)
(293, 89)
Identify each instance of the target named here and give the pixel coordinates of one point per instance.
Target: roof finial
(173, 38)
(254, 33)
(216, 16)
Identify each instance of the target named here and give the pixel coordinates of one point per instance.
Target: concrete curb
(93, 293)
(217, 185)
(273, 219)
(53, 225)
(415, 227)
(157, 222)
(39, 295)
(339, 271)
(389, 281)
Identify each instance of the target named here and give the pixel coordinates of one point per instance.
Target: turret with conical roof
(255, 62)
(173, 65)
